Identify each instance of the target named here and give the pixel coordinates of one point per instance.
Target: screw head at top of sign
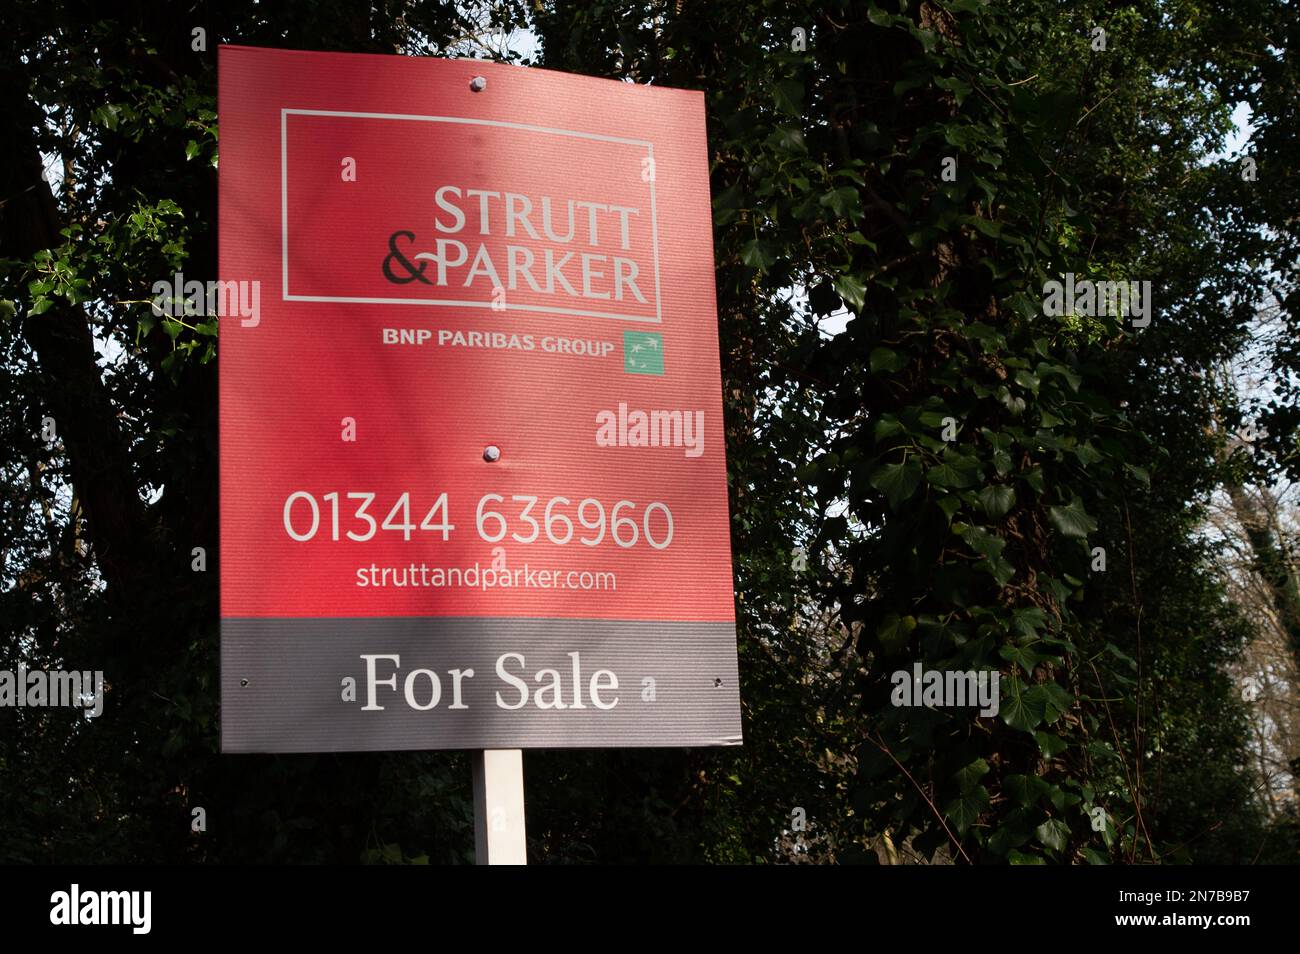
(491, 453)
(478, 84)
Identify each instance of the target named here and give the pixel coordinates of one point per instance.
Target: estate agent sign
(473, 487)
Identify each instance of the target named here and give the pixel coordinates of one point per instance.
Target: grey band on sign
(535, 683)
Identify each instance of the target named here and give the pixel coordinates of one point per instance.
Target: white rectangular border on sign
(284, 216)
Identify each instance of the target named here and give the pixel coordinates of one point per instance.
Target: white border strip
(284, 215)
(284, 206)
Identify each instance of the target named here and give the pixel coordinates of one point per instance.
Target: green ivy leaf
(887, 426)
(1010, 836)
(953, 472)
(1026, 659)
(949, 504)
(997, 500)
(894, 630)
(965, 810)
(789, 97)
(757, 254)
(1020, 858)
(897, 481)
(843, 201)
(1024, 790)
(1019, 708)
(1050, 745)
(788, 139)
(1028, 381)
(969, 775)
(886, 359)
(1053, 834)
(1072, 520)
(1055, 700)
(1140, 473)
(1087, 454)
(983, 542)
(852, 291)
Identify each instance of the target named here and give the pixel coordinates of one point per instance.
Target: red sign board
(473, 486)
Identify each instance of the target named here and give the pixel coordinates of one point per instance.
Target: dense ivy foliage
(900, 409)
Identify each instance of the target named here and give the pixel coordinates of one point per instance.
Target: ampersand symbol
(413, 272)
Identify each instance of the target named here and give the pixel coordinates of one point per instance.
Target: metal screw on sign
(243, 683)
(491, 453)
(478, 84)
(717, 683)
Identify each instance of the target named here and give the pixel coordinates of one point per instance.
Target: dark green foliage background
(973, 553)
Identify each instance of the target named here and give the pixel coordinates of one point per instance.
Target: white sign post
(499, 807)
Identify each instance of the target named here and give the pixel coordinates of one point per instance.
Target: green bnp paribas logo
(643, 352)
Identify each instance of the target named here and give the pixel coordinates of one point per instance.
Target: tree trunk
(74, 391)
